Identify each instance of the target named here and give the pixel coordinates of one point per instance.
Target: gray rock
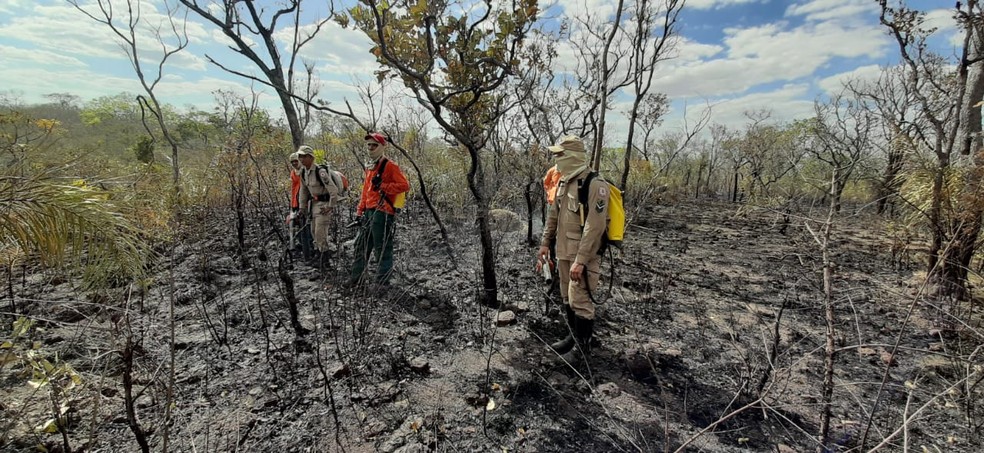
(505, 318)
(609, 389)
(420, 365)
(339, 370)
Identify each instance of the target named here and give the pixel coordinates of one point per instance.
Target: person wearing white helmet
(300, 229)
(319, 187)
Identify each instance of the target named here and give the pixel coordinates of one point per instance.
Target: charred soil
(710, 308)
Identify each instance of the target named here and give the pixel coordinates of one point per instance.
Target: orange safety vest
(295, 189)
(550, 183)
(393, 183)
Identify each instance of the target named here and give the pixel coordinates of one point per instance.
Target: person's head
(375, 145)
(569, 154)
(295, 162)
(306, 155)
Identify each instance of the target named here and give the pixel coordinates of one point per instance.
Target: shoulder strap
(584, 187)
(379, 172)
(382, 167)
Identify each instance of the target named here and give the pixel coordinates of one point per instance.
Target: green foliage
(143, 150)
(69, 224)
(41, 371)
(453, 57)
(120, 107)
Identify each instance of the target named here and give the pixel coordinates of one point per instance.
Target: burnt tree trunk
(476, 184)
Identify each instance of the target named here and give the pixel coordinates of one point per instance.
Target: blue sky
(737, 55)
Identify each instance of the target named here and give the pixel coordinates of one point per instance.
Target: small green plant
(58, 378)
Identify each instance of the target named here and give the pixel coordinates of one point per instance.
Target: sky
(734, 55)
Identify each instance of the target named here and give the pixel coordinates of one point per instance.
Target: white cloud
(9, 7)
(786, 104)
(718, 4)
(62, 28)
(766, 54)
(41, 58)
(823, 10)
(600, 9)
(941, 19)
(35, 82)
(335, 50)
(835, 83)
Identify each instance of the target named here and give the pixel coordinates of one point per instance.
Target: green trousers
(375, 236)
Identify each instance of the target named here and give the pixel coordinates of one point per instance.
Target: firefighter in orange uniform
(383, 183)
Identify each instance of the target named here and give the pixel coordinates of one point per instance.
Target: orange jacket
(393, 183)
(295, 189)
(550, 182)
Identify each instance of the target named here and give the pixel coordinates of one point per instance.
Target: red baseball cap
(376, 137)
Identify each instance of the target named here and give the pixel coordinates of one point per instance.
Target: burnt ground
(686, 335)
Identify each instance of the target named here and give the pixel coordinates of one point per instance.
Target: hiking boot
(567, 343)
(583, 330)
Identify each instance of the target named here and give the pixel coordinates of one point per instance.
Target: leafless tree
(653, 27)
(948, 103)
(841, 135)
(171, 37)
(243, 21)
(768, 150)
(598, 72)
(892, 99)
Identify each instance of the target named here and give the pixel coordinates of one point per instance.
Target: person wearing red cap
(376, 211)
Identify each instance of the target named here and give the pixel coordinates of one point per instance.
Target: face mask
(376, 153)
(569, 163)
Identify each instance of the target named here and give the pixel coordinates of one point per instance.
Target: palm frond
(65, 224)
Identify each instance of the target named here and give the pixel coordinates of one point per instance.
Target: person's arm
(303, 196)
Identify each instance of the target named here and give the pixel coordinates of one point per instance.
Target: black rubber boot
(567, 343)
(583, 330)
(323, 260)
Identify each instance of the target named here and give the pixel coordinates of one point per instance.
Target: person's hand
(542, 255)
(376, 181)
(577, 271)
(325, 210)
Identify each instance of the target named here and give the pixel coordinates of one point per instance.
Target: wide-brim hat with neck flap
(570, 143)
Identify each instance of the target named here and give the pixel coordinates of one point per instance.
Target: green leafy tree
(143, 150)
(455, 58)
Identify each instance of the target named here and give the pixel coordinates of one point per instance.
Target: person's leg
(578, 293)
(582, 304)
(385, 250)
(567, 343)
(361, 251)
(306, 240)
(320, 231)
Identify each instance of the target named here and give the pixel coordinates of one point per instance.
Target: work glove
(376, 181)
